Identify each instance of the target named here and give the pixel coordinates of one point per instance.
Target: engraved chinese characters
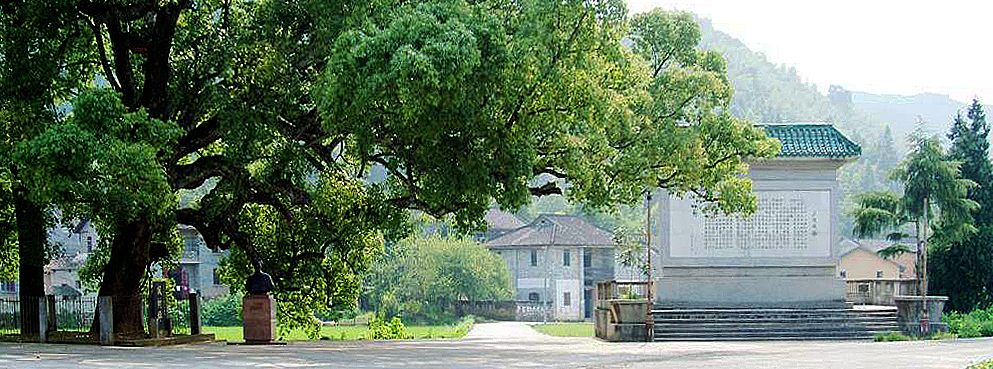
(785, 224)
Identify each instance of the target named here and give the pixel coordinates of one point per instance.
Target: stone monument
(782, 255)
(259, 310)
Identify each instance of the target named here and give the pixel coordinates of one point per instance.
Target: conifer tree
(964, 270)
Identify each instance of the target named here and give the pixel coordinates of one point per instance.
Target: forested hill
(760, 86)
(937, 110)
(767, 92)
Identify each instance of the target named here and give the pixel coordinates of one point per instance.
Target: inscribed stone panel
(786, 224)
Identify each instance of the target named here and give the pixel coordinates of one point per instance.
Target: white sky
(900, 47)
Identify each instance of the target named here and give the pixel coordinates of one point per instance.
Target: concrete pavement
(509, 345)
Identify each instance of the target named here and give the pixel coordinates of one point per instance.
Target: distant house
(557, 259)
(75, 245)
(197, 266)
(499, 222)
(860, 260)
(61, 275)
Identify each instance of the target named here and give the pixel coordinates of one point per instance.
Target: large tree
(964, 269)
(34, 79)
(284, 103)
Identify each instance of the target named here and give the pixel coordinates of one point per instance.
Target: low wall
(878, 291)
(506, 310)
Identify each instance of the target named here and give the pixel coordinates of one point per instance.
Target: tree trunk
(31, 234)
(122, 277)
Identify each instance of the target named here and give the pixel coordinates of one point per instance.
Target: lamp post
(649, 321)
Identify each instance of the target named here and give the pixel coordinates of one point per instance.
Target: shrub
(981, 365)
(223, 311)
(891, 337)
(380, 330)
(943, 336)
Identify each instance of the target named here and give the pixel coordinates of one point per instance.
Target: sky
(885, 47)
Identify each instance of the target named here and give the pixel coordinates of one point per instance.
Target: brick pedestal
(259, 312)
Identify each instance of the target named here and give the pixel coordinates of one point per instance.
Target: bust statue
(259, 283)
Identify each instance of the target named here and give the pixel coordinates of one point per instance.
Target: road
(509, 345)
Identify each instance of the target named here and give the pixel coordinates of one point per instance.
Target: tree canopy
(273, 112)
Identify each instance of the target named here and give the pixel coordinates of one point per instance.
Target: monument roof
(555, 230)
(812, 140)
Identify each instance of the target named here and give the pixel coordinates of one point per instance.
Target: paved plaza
(509, 345)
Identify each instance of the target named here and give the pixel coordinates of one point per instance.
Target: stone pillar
(53, 324)
(106, 308)
(910, 310)
(43, 319)
(195, 320)
(259, 312)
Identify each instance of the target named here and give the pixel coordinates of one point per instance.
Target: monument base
(259, 313)
(751, 287)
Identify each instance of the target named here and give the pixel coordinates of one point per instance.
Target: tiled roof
(812, 140)
(559, 230)
(499, 219)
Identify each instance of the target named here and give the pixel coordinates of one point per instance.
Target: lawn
(347, 333)
(565, 329)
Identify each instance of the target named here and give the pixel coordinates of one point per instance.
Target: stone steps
(723, 324)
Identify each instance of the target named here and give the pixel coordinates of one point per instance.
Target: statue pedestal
(259, 312)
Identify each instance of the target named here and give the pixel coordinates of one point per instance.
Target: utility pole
(649, 320)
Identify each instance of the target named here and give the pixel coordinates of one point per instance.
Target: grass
(565, 329)
(897, 336)
(351, 333)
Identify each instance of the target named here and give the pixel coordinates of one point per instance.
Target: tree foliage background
(420, 278)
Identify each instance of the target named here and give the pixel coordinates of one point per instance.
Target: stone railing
(878, 291)
(622, 311)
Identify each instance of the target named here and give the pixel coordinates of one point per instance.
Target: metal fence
(74, 313)
(179, 316)
(10, 316)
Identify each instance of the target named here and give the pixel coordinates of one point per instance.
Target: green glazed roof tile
(812, 141)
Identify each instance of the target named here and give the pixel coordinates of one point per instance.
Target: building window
(534, 258)
(217, 277)
(879, 274)
(844, 273)
(587, 258)
(8, 287)
(89, 244)
(566, 298)
(533, 296)
(565, 257)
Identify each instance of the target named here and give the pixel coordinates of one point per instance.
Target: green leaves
(102, 162)
(423, 276)
(931, 180)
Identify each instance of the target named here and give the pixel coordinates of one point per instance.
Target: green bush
(380, 330)
(890, 337)
(981, 365)
(222, 311)
(943, 336)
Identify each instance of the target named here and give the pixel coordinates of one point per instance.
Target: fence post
(106, 308)
(195, 321)
(53, 323)
(42, 319)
